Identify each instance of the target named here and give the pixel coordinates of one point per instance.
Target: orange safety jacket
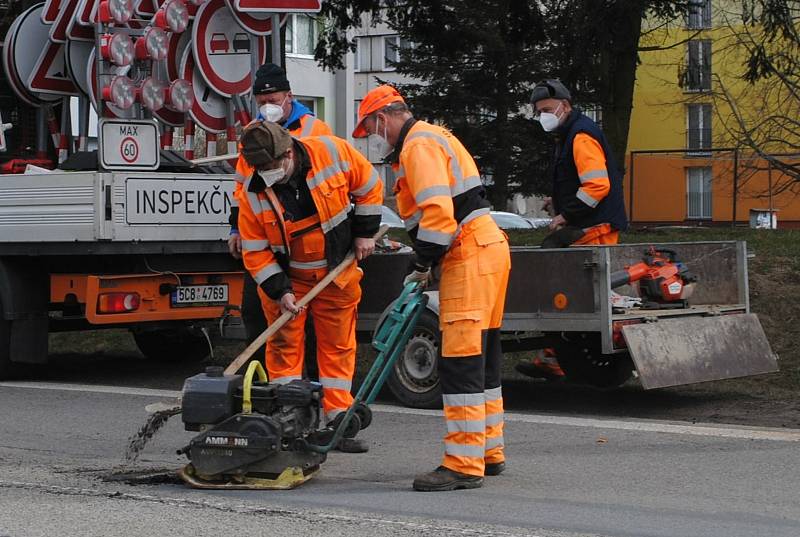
(307, 125)
(338, 177)
(438, 188)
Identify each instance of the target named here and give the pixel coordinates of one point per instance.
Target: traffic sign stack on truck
(133, 235)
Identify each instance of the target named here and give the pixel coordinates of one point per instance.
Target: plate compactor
(256, 434)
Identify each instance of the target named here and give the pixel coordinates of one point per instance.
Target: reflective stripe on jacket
(307, 125)
(438, 188)
(587, 184)
(339, 176)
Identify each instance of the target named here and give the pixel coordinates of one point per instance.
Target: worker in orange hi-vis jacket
(442, 200)
(276, 103)
(587, 198)
(306, 205)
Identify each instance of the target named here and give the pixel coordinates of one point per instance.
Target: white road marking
(91, 388)
(634, 425)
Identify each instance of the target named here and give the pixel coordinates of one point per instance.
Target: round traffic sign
(176, 49)
(77, 58)
(209, 110)
(222, 51)
(24, 42)
(129, 149)
(254, 23)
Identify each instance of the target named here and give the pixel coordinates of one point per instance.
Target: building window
(698, 193)
(697, 76)
(308, 102)
(301, 35)
(698, 134)
(357, 55)
(315, 104)
(391, 51)
(698, 15)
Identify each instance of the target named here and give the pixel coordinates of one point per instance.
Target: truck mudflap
(671, 352)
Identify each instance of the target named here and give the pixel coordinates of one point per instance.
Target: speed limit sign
(127, 144)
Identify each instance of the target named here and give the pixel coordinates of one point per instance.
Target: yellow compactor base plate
(288, 479)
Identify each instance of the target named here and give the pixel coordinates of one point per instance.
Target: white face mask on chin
(379, 145)
(550, 121)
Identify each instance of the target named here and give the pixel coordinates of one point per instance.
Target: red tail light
(118, 302)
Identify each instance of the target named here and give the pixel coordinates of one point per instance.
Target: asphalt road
(62, 473)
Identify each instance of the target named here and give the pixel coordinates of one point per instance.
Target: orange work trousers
(472, 295)
(598, 235)
(333, 312)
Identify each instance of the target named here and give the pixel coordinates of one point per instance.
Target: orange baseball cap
(373, 101)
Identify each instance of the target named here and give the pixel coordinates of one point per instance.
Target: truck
(130, 233)
(145, 251)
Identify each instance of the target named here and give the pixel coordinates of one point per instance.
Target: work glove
(422, 277)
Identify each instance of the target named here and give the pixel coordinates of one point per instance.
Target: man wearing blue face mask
(276, 104)
(587, 199)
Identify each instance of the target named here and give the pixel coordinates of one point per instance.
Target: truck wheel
(580, 356)
(172, 344)
(414, 380)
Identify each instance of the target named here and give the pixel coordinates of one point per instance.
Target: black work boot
(494, 468)
(352, 445)
(446, 479)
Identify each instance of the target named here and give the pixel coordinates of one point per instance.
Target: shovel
(246, 354)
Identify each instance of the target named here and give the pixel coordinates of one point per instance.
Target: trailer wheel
(414, 380)
(580, 356)
(172, 344)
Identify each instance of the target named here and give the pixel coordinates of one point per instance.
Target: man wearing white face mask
(297, 223)
(587, 197)
(276, 103)
(441, 198)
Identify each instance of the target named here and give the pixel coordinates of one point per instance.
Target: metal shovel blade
(698, 349)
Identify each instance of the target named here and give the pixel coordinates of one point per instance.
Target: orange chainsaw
(662, 281)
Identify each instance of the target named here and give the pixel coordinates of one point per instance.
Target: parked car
(510, 220)
(538, 223)
(391, 218)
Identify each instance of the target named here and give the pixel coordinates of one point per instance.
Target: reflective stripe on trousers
(333, 312)
(471, 297)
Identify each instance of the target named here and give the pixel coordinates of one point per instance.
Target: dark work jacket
(566, 182)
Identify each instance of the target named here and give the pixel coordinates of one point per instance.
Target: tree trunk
(621, 59)
(499, 193)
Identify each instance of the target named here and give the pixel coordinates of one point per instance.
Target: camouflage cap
(264, 142)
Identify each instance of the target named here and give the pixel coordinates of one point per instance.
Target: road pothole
(165, 476)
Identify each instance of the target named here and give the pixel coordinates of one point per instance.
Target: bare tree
(763, 115)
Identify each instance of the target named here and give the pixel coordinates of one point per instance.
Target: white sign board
(129, 144)
(177, 201)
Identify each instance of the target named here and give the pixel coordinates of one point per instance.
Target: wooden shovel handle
(245, 355)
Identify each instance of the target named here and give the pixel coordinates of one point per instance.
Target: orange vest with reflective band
(438, 188)
(309, 126)
(339, 176)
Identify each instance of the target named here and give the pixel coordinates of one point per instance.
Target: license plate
(200, 295)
